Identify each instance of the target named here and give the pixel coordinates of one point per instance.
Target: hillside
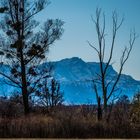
(75, 77)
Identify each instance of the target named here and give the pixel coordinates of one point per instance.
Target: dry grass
(67, 122)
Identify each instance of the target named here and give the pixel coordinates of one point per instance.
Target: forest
(36, 108)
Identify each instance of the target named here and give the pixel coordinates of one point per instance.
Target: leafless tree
(108, 86)
(50, 95)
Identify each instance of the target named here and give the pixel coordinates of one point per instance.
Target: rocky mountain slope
(75, 77)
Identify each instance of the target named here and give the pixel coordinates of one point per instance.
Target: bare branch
(10, 84)
(41, 4)
(9, 78)
(124, 58)
(103, 74)
(93, 47)
(95, 89)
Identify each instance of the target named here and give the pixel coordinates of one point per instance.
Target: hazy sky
(79, 28)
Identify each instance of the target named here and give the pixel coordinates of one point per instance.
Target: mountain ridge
(75, 77)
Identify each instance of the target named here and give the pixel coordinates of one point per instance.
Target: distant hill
(75, 77)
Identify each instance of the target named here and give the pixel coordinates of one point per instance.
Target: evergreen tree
(22, 46)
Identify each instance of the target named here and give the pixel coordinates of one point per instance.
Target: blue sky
(79, 28)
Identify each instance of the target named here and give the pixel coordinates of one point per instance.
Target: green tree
(23, 46)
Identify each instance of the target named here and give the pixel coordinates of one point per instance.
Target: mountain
(75, 77)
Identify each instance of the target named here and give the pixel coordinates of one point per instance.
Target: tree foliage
(23, 45)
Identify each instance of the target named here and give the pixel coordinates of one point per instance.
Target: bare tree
(50, 94)
(108, 86)
(22, 46)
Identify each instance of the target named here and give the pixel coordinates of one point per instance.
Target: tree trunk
(24, 90)
(25, 100)
(105, 109)
(99, 110)
(105, 104)
(24, 83)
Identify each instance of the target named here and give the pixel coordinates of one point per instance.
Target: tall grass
(67, 122)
